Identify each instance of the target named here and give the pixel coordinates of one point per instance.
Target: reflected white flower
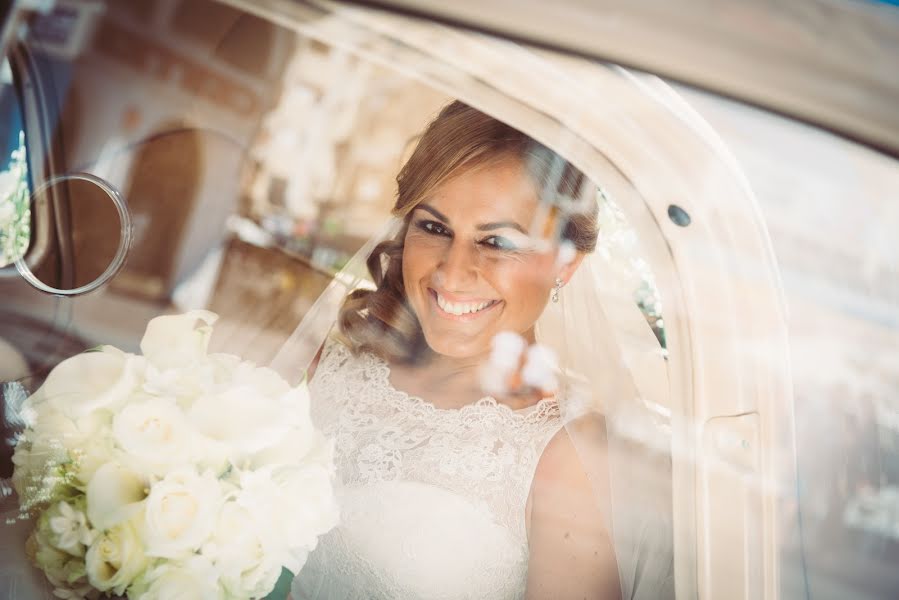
(506, 350)
(505, 358)
(541, 369)
(567, 253)
(510, 352)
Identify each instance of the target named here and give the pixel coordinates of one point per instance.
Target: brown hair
(460, 137)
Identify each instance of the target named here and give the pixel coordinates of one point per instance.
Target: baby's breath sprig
(15, 206)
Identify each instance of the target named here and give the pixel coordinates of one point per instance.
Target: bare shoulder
(571, 552)
(571, 481)
(575, 452)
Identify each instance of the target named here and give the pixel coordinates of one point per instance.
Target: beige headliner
(831, 63)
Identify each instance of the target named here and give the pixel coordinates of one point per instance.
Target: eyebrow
(484, 227)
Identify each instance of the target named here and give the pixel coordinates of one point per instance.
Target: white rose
(223, 367)
(115, 494)
(265, 380)
(91, 381)
(293, 447)
(181, 511)
(309, 507)
(155, 434)
(297, 442)
(208, 375)
(246, 550)
(192, 579)
(115, 558)
(261, 496)
(246, 418)
(184, 383)
(175, 341)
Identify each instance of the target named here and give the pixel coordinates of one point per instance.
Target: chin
(457, 348)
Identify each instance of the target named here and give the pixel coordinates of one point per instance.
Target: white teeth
(460, 308)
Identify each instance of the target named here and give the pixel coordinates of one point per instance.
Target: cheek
(410, 268)
(420, 255)
(422, 250)
(524, 284)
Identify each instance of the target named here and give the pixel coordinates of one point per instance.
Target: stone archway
(162, 190)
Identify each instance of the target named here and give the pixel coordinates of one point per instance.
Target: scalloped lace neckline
(383, 370)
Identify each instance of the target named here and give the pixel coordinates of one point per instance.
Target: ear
(567, 270)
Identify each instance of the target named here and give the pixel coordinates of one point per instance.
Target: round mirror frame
(125, 237)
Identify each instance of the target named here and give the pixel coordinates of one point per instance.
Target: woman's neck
(448, 381)
(460, 372)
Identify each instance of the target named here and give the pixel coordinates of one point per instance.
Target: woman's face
(470, 269)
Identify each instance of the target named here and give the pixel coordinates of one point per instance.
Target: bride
(447, 491)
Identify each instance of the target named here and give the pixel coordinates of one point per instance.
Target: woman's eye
(433, 227)
(500, 243)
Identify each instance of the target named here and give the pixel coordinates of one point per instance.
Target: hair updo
(460, 137)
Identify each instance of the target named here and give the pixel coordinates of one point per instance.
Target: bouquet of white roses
(177, 473)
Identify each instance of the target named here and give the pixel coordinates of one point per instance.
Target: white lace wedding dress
(432, 500)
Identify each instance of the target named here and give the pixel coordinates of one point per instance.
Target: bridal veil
(612, 379)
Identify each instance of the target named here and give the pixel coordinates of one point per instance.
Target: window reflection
(828, 211)
(257, 161)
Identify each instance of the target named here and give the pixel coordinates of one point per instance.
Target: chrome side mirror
(74, 274)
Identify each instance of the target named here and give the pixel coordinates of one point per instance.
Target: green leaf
(282, 588)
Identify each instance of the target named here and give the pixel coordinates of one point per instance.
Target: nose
(459, 269)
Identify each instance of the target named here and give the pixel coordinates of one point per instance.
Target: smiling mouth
(465, 310)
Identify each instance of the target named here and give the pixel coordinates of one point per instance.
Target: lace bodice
(432, 500)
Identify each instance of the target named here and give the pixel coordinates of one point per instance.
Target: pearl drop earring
(556, 288)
